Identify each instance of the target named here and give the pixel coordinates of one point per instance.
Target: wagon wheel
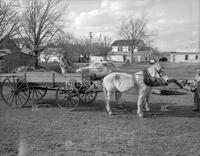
(67, 96)
(37, 93)
(89, 93)
(15, 91)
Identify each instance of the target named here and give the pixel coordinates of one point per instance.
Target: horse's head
(158, 71)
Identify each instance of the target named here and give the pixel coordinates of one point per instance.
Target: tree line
(40, 24)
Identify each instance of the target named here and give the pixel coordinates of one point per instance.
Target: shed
(12, 59)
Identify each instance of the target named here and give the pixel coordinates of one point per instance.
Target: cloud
(94, 18)
(173, 19)
(124, 5)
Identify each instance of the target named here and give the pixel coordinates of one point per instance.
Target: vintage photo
(99, 77)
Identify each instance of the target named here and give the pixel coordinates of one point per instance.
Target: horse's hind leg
(140, 102)
(107, 97)
(118, 95)
(108, 103)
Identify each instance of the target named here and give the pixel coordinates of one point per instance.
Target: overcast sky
(176, 20)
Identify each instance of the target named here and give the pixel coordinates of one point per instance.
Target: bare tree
(47, 54)
(105, 43)
(8, 20)
(135, 29)
(85, 47)
(67, 46)
(41, 23)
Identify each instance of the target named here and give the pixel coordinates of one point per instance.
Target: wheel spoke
(10, 96)
(39, 92)
(22, 96)
(16, 101)
(20, 84)
(91, 95)
(33, 94)
(61, 100)
(12, 99)
(36, 94)
(20, 100)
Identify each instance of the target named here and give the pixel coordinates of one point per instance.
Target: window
(186, 57)
(119, 48)
(196, 57)
(2, 66)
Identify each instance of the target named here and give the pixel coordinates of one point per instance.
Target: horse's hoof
(110, 113)
(141, 115)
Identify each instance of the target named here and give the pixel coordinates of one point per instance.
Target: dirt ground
(90, 131)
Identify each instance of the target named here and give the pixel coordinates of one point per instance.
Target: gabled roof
(145, 49)
(127, 42)
(185, 53)
(4, 52)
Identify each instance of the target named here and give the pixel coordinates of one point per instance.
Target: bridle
(150, 80)
(161, 74)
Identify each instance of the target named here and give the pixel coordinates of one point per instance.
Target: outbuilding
(10, 60)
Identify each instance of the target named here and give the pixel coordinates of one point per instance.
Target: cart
(71, 89)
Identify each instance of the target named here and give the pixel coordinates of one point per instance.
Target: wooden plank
(44, 77)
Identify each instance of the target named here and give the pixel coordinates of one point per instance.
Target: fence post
(53, 79)
(25, 75)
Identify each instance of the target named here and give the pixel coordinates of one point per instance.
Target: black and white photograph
(99, 78)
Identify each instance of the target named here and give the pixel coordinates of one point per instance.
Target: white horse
(120, 82)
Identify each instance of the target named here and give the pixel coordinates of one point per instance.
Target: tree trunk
(36, 61)
(132, 56)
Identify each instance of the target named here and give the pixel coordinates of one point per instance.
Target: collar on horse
(152, 81)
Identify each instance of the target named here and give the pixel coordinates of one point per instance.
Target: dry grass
(90, 131)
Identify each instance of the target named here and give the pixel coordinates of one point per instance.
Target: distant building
(96, 58)
(12, 55)
(122, 51)
(185, 56)
(10, 60)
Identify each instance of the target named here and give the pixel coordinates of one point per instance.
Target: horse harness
(153, 81)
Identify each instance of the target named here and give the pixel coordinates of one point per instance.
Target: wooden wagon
(71, 89)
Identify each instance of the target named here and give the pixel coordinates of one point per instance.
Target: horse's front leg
(140, 102)
(108, 98)
(118, 95)
(147, 108)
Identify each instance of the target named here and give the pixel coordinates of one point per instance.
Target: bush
(163, 59)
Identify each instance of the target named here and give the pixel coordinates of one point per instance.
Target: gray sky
(176, 20)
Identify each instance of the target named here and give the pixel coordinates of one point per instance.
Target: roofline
(185, 53)
(16, 52)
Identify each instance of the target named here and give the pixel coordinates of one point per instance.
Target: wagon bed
(69, 87)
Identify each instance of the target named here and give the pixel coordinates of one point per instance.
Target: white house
(185, 56)
(122, 51)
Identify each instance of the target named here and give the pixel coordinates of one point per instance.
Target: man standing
(195, 88)
(196, 91)
(63, 64)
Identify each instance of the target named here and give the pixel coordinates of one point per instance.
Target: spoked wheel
(67, 95)
(37, 93)
(88, 92)
(15, 91)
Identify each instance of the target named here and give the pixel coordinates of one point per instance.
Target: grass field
(90, 131)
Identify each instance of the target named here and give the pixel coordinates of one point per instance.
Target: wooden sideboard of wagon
(70, 89)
